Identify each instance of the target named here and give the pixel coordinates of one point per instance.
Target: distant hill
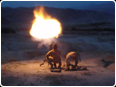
(22, 17)
(106, 7)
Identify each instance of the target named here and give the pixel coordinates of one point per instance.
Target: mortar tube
(50, 46)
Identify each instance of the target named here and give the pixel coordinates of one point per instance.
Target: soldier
(50, 46)
(72, 56)
(55, 54)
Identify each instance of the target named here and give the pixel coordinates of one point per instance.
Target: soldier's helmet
(55, 46)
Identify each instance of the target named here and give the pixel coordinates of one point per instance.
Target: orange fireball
(44, 26)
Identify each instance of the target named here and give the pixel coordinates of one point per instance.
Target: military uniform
(55, 55)
(72, 56)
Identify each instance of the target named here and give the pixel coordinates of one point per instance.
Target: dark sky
(56, 4)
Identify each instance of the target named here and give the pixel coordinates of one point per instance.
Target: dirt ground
(29, 73)
(21, 58)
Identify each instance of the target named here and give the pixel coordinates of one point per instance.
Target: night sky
(56, 4)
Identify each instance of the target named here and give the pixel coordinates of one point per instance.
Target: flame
(44, 26)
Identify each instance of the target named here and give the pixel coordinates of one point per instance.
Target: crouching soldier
(72, 56)
(55, 54)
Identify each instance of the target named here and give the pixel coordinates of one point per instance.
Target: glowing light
(44, 26)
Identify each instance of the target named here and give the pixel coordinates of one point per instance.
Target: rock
(111, 67)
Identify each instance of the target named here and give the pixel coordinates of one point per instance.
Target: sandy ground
(20, 61)
(29, 73)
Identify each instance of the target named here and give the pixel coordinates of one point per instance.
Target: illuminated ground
(21, 58)
(30, 73)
